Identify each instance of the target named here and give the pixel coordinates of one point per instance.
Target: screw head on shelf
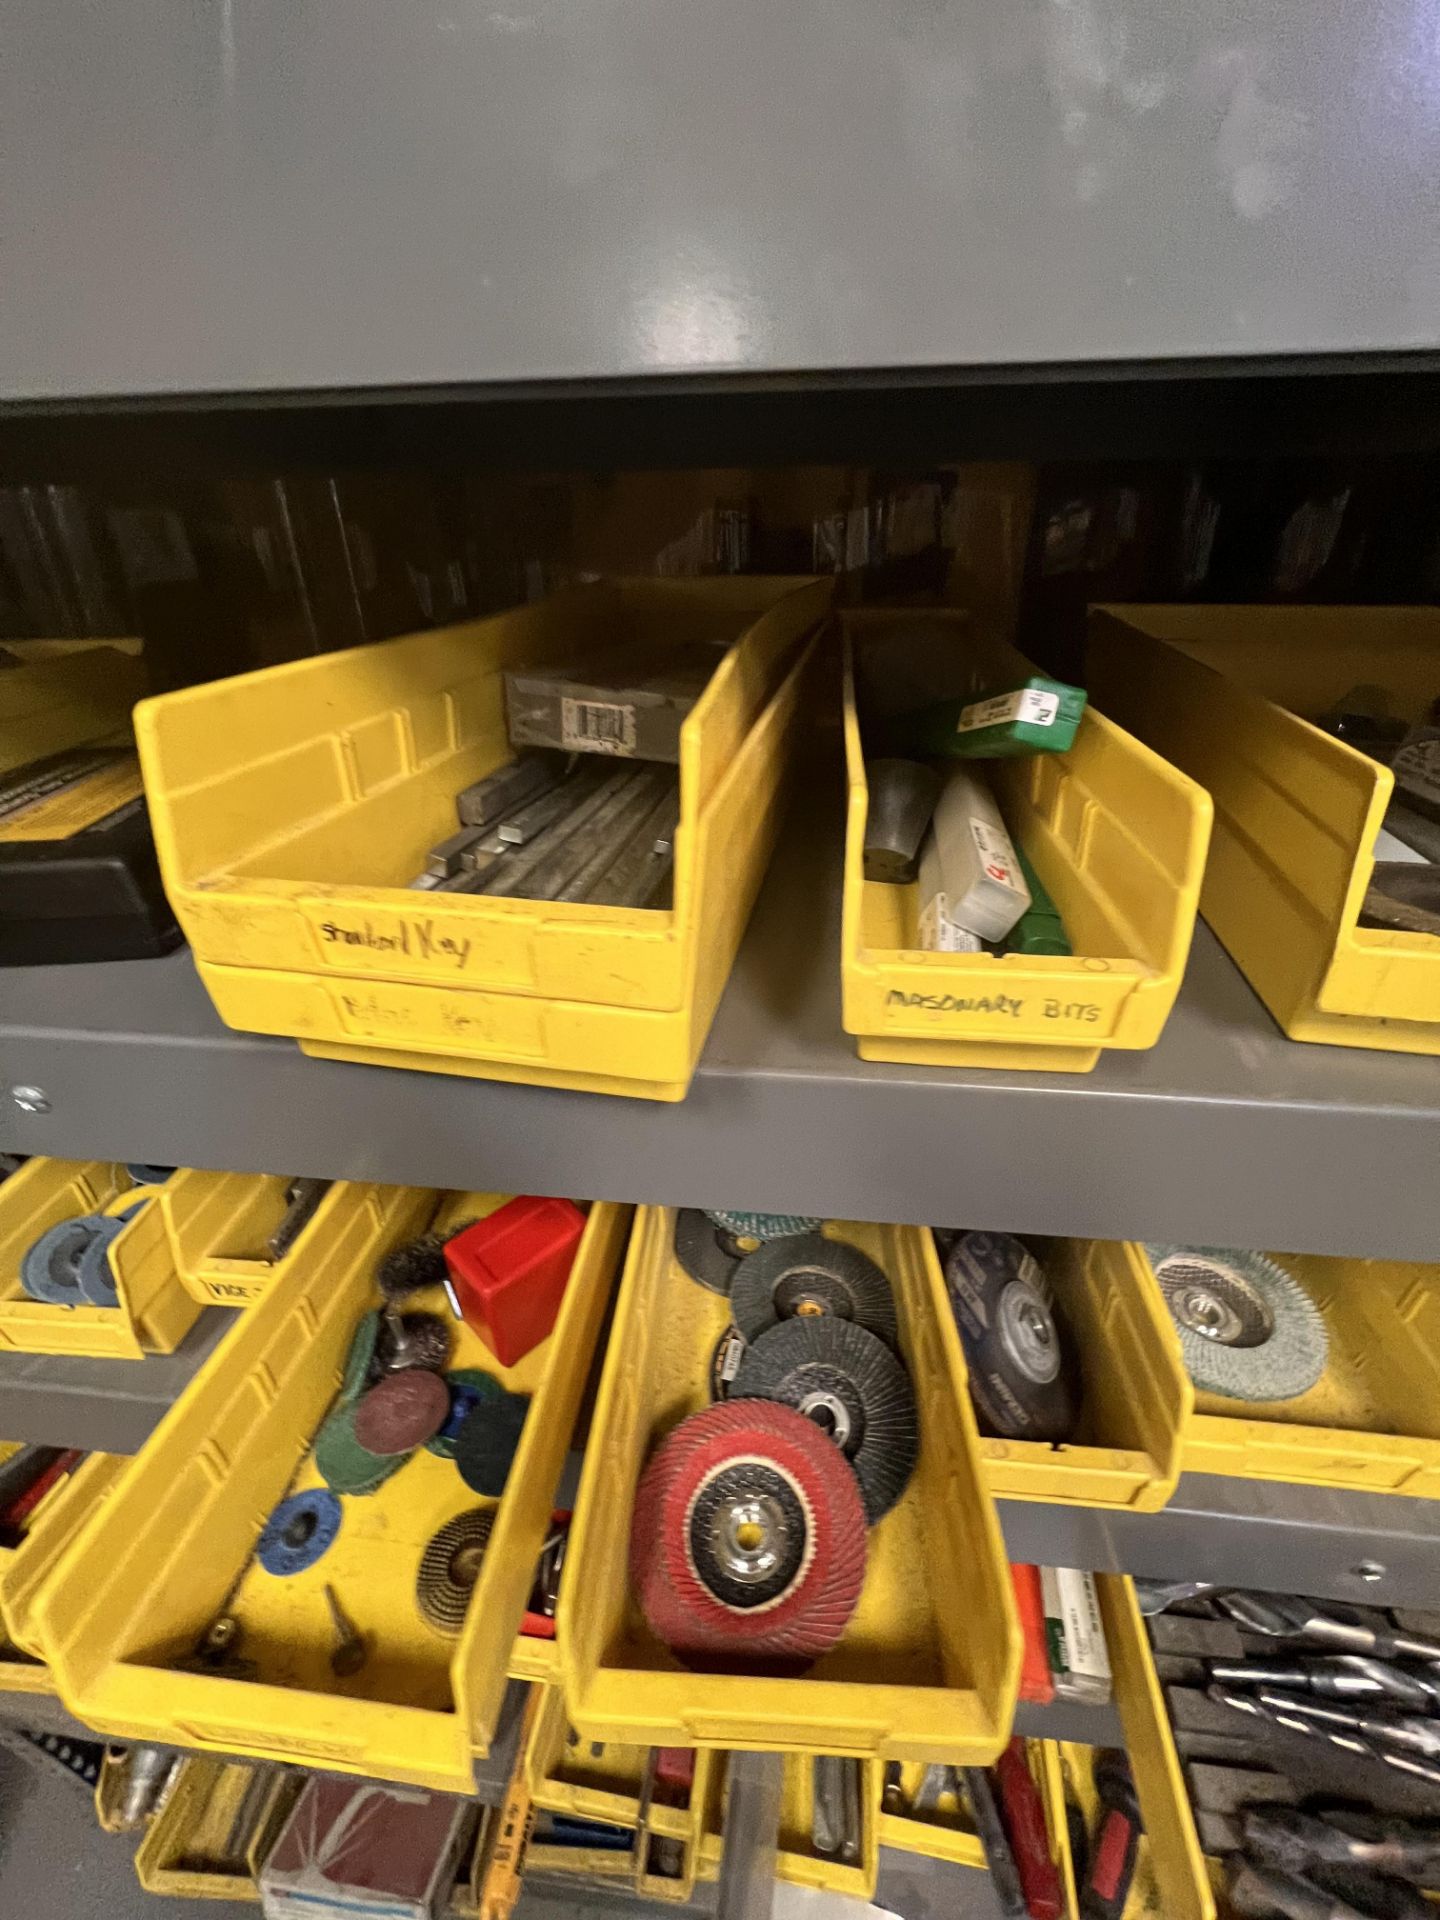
(31, 1099)
(1370, 1571)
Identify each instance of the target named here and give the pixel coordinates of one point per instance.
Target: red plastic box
(510, 1271)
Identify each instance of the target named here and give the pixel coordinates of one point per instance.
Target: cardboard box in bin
(353, 1848)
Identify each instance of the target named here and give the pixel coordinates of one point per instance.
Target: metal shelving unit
(1223, 1126)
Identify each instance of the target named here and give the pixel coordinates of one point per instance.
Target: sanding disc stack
(748, 1539)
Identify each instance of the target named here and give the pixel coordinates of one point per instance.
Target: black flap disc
(806, 1276)
(850, 1384)
(701, 1250)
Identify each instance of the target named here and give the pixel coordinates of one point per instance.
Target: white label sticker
(597, 726)
(1030, 705)
(997, 856)
(938, 933)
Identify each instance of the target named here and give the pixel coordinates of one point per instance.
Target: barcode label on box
(597, 726)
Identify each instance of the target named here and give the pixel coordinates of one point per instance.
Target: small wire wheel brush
(747, 1537)
(449, 1568)
(1248, 1330)
(805, 1276)
(407, 1269)
(851, 1386)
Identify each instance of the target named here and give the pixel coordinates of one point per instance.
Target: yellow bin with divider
(1116, 835)
(208, 1797)
(122, 1613)
(293, 806)
(1170, 1881)
(796, 1858)
(218, 1224)
(565, 1777)
(929, 1664)
(154, 1311)
(1229, 693)
(58, 1518)
(1372, 1421)
(1136, 1396)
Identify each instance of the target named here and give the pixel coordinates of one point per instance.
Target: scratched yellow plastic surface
(1117, 837)
(1173, 1847)
(56, 1522)
(194, 1825)
(565, 1777)
(68, 699)
(218, 1223)
(929, 1665)
(121, 1612)
(292, 807)
(1136, 1393)
(1372, 1420)
(593, 1049)
(1296, 812)
(796, 1859)
(154, 1312)
(946, 1834)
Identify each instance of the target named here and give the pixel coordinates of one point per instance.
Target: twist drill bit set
(1310, 1746)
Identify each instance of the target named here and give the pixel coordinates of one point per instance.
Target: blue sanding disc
(299, 1531)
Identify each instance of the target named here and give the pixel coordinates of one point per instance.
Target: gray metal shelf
(209, 198)
(1377, 1549)
(1224, 1131)
(112, 1406)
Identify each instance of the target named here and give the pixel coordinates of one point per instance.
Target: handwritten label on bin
(493, 1026)
(404, 945)
(1002, 1009)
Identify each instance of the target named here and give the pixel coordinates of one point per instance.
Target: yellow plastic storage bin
(57, 700)
(565, 1777)
(946, 1836)
(929, 1665)
(1170, 1881)
(218, 1224)
(1173, 1865)
(1222, 692)
(796, 1860)
(292, 807)
(196, 1824)
(56, 1521)
(1136, 1394)
(1372, 1420)
(154, 1312)
(1117, 837)
(122, 1613)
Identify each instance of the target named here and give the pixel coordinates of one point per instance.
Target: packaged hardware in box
(353, 1849)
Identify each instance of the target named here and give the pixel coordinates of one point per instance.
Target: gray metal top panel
(202, 195)
(1225, 1131)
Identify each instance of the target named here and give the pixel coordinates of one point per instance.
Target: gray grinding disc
(1248, 1330)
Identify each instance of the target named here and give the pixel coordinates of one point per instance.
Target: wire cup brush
(1248, 1330)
